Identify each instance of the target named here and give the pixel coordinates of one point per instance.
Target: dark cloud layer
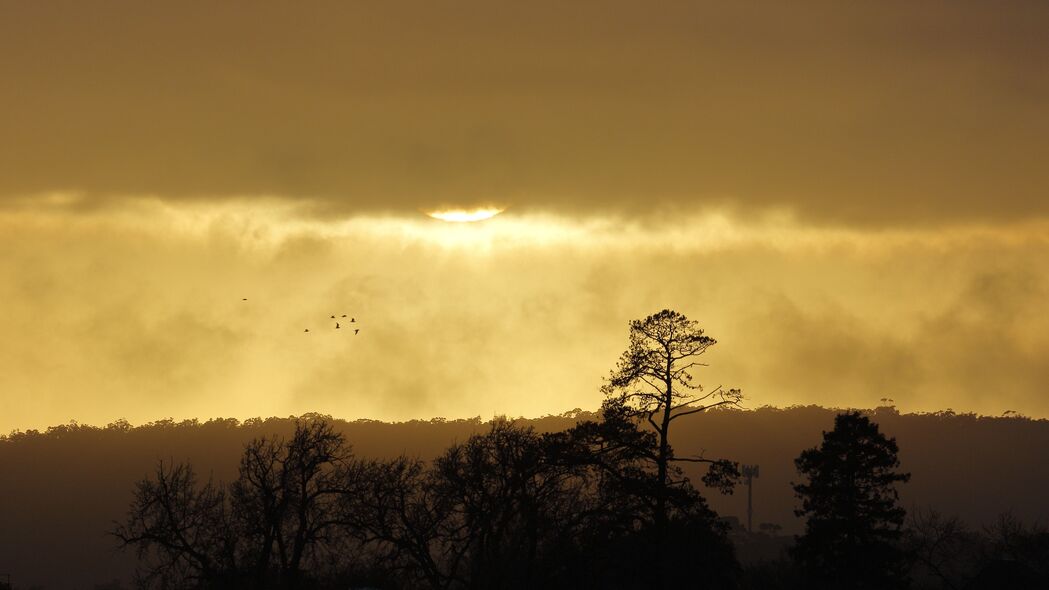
(887, 112)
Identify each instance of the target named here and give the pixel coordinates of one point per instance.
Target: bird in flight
(333, 317)
(245, 299)
(355, 331)
(352, 320)
(343, 315)
(306, 330)
(336, 325)
(1007, 412)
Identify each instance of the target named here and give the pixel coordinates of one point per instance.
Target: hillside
(60, 490)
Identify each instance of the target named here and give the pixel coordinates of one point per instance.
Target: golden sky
(851, 198)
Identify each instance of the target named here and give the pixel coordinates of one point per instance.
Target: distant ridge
(67, 484)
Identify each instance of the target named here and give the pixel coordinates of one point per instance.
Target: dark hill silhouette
(61, 490)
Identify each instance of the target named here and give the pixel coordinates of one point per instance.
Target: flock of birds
(338, 325)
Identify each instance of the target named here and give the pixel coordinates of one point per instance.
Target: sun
(466, 215)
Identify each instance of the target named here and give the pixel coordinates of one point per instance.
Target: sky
(850, 198)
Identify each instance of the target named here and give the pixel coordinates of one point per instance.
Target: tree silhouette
(184, 533)
(852, 532)
(653, 381)
(500, 510)
(512, 508)
(942, 548)
(259, 532)
(395, 514)
(284, 497)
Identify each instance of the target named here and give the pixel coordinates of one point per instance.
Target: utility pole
(750, 472)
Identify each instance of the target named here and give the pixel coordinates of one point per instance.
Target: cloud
(989, 346)
(886, 114)
(138, 312)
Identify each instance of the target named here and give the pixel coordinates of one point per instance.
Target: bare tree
(512, 508)
(653, 381)
(942, 547)
(391, 508)
(491, 512)
(261, 531)
(182, 531)
(285, 494)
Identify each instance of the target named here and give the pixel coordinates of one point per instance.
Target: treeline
(513, 508)
(510, 508)
(61, 489)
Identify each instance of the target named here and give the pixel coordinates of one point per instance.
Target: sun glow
(466, 216)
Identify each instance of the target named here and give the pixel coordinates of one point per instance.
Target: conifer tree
(850, 501)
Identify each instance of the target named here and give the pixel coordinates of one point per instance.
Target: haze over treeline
(63, 489)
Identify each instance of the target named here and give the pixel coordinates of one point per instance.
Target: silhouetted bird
(355, 331)
(352, 319)
(333, 317)
(245, 299)
(306, 330)
(343, 315)
(1007, 412)
(336, 325)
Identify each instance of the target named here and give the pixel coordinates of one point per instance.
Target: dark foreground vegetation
(511, 508)
(505, 509)
(63, 489)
